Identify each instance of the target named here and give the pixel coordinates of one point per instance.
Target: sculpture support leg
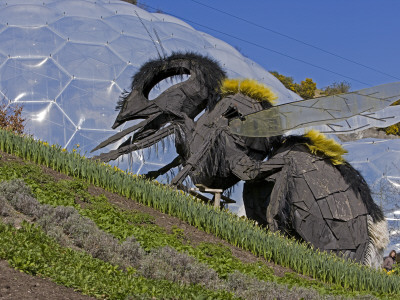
(217, 199)
(256, 198)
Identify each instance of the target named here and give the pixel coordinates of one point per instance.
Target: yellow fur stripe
(248, 87)
(327, 147)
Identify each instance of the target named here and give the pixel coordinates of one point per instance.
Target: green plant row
(30, 250)
(243, 233)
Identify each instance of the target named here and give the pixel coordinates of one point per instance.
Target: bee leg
(154, 174)
(144, 143)
(256, 198)
(249, 169)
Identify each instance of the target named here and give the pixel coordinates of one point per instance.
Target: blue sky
(363, 31)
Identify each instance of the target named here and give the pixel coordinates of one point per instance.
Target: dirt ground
(17, 285)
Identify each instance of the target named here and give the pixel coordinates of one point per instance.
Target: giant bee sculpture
(299, 185)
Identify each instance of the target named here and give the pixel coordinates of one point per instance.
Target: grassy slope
(123, 223)
(348, 277)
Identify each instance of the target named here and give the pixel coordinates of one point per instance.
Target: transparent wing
(312, 112)
(382, 118)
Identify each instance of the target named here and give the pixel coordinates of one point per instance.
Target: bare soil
(17, 285)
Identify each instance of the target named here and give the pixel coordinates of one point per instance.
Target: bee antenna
(159, 42)
(148, 32)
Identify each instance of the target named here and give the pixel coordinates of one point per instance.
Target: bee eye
(165, 84)
(232, 112)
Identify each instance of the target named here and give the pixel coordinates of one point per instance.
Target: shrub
(287, 81)
(83, 232)
(57, 233)
(4, 207)
(9, 188)
(131, 251)
(337, 88)
(19, 196)
(11, 118)
(167, 263)
(395, 128)
(248, 287)
(306, 89)
(131, 1)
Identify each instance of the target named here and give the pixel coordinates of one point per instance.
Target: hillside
(109, 246)
(171, 226)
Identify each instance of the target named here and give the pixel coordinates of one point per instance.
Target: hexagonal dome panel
(89, 61)
(128, 25)
(27, 15)
(124, 80)
(80, 8)
(167, 30)
(88, 103)
(121, 9)
(179, 45)
(29, 42)
(35, 79)
(47, 122)
(3, 59)
(129, 47)
(172, 19)
(80, 29)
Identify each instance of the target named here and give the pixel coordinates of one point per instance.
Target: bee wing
(382, 118)
(318, 111)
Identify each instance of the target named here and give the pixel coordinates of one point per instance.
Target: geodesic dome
(67, 62)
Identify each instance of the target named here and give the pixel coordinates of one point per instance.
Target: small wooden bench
(217, 195)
